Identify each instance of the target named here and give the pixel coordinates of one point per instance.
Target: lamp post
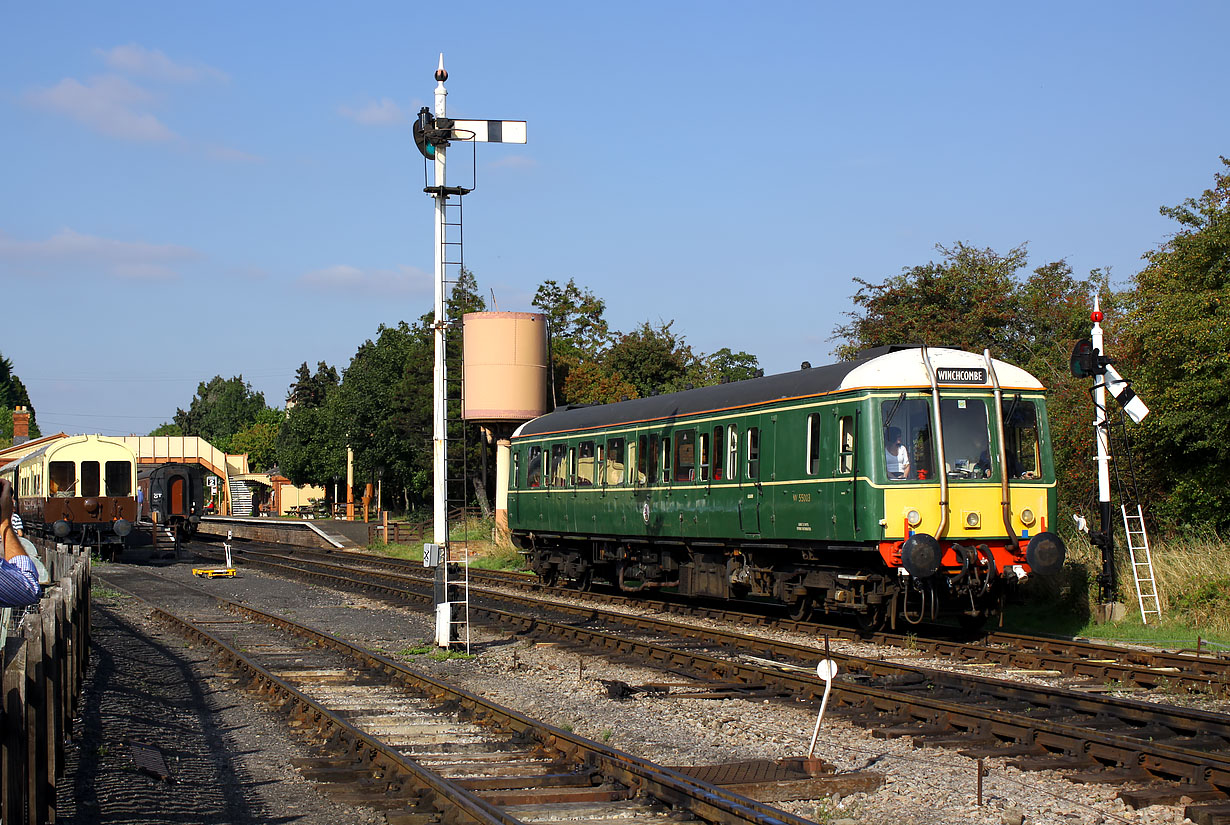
(379, 486)
(336, 479)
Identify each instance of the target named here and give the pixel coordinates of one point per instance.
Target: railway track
(1163, 753)
(1097, 664)
(423, 751)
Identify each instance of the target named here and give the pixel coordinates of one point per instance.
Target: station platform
(326, 533)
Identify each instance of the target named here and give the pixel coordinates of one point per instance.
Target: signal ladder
(1139, 553)
(1142, 571)
(456, 551)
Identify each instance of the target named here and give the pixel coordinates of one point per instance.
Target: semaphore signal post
(432, 135)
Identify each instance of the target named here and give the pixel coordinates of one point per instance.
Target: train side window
(642, 459)
(753, 453)
(516, 470)
(615, 461)
(813, 444)
(533, 468)
(685, 456)
(559, 465)
(586, 464)
(732, 453)
(719, 444)
(118, 475)
(91, 478)
(845, 435)
(666, 458)
(651, 458)
(703, 458)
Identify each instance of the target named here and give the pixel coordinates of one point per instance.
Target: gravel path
(222, 741)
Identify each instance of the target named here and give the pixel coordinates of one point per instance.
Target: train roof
(894, 367)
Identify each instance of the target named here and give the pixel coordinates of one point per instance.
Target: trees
(220, 409)
(967, 300)
(1177, 344)
(13, 394)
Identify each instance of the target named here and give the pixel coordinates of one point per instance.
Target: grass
(99, 591)
(479, 535)
(1193, 581)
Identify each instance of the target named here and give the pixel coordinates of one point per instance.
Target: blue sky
(229, 188)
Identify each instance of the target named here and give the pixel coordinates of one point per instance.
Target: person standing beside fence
(18, 575)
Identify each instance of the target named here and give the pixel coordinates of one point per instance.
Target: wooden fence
(44, 662)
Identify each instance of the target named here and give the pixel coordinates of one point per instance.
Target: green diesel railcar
(909, 482)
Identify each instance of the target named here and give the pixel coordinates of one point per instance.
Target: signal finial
(441, 75)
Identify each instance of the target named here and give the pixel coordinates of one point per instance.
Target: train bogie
(911, 482)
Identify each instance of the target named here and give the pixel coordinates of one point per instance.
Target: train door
(177, 492)
(746, 447)
(840, 454)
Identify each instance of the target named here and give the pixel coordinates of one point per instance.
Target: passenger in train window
(18, 575)
(896, 456)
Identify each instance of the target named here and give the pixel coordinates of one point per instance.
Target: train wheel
(550, 576)
(803, 609)
(872, 619)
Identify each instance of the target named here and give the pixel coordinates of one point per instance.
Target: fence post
(12, 782)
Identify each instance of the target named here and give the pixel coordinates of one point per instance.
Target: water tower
(506, 371)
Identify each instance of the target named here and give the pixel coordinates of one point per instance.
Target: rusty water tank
(505, 362)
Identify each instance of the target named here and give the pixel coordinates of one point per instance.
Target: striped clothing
(18, 582)
(18, 524)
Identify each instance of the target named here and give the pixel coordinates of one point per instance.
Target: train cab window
(1021, 443)
(719, 444)
(753, 453)
(908, 446)
(559, 465)
(91, 478)
(813, 444)
(587, 464)
(702, 445)
(966, 439)
(615, 461)
(533, 468)
(845, 436)
(118, 476)
(685, 456)
(732, 453)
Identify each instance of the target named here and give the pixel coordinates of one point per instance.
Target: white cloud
(68, 251)
(383, 112)
(109, 104)
(352, 280)
(138, 60)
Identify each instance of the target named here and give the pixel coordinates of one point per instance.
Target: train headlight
(1027, 517)
(913, 518)
(972, 520)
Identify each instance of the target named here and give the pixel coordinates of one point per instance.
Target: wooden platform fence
(44, 662)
